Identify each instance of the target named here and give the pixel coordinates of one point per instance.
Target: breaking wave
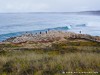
(65, 28)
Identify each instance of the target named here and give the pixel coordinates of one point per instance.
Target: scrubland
(67, 56)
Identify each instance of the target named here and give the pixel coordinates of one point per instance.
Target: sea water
(14, 24)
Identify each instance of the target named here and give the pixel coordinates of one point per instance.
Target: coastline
(52, 52)
(9, 35)
(51, 35)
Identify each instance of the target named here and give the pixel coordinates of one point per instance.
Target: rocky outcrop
(50, 37)
(86, 37)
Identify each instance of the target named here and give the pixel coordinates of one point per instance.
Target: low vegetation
(59, 57)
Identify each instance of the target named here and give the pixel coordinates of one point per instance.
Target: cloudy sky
(48, 5)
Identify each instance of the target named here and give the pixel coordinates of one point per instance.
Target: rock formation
(51, 36)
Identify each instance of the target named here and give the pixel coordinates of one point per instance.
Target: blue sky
(48, 5)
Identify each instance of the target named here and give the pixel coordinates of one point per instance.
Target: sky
(48, 5)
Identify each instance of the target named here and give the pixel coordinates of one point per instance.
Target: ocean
(15, 24)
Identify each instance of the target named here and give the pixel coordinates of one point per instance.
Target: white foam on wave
(69, 26)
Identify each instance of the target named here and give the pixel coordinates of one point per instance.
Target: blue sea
(14, 24)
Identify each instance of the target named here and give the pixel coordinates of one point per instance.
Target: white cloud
(22, 6)
(48, 5)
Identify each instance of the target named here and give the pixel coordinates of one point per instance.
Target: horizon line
(50, 12)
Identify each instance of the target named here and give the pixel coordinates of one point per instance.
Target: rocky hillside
(51, 36)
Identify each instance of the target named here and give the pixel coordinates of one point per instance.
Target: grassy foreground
(70, 56)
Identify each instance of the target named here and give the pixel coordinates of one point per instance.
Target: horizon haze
(21, 6)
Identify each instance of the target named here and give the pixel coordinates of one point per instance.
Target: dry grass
(30, 63)
(70, 56)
